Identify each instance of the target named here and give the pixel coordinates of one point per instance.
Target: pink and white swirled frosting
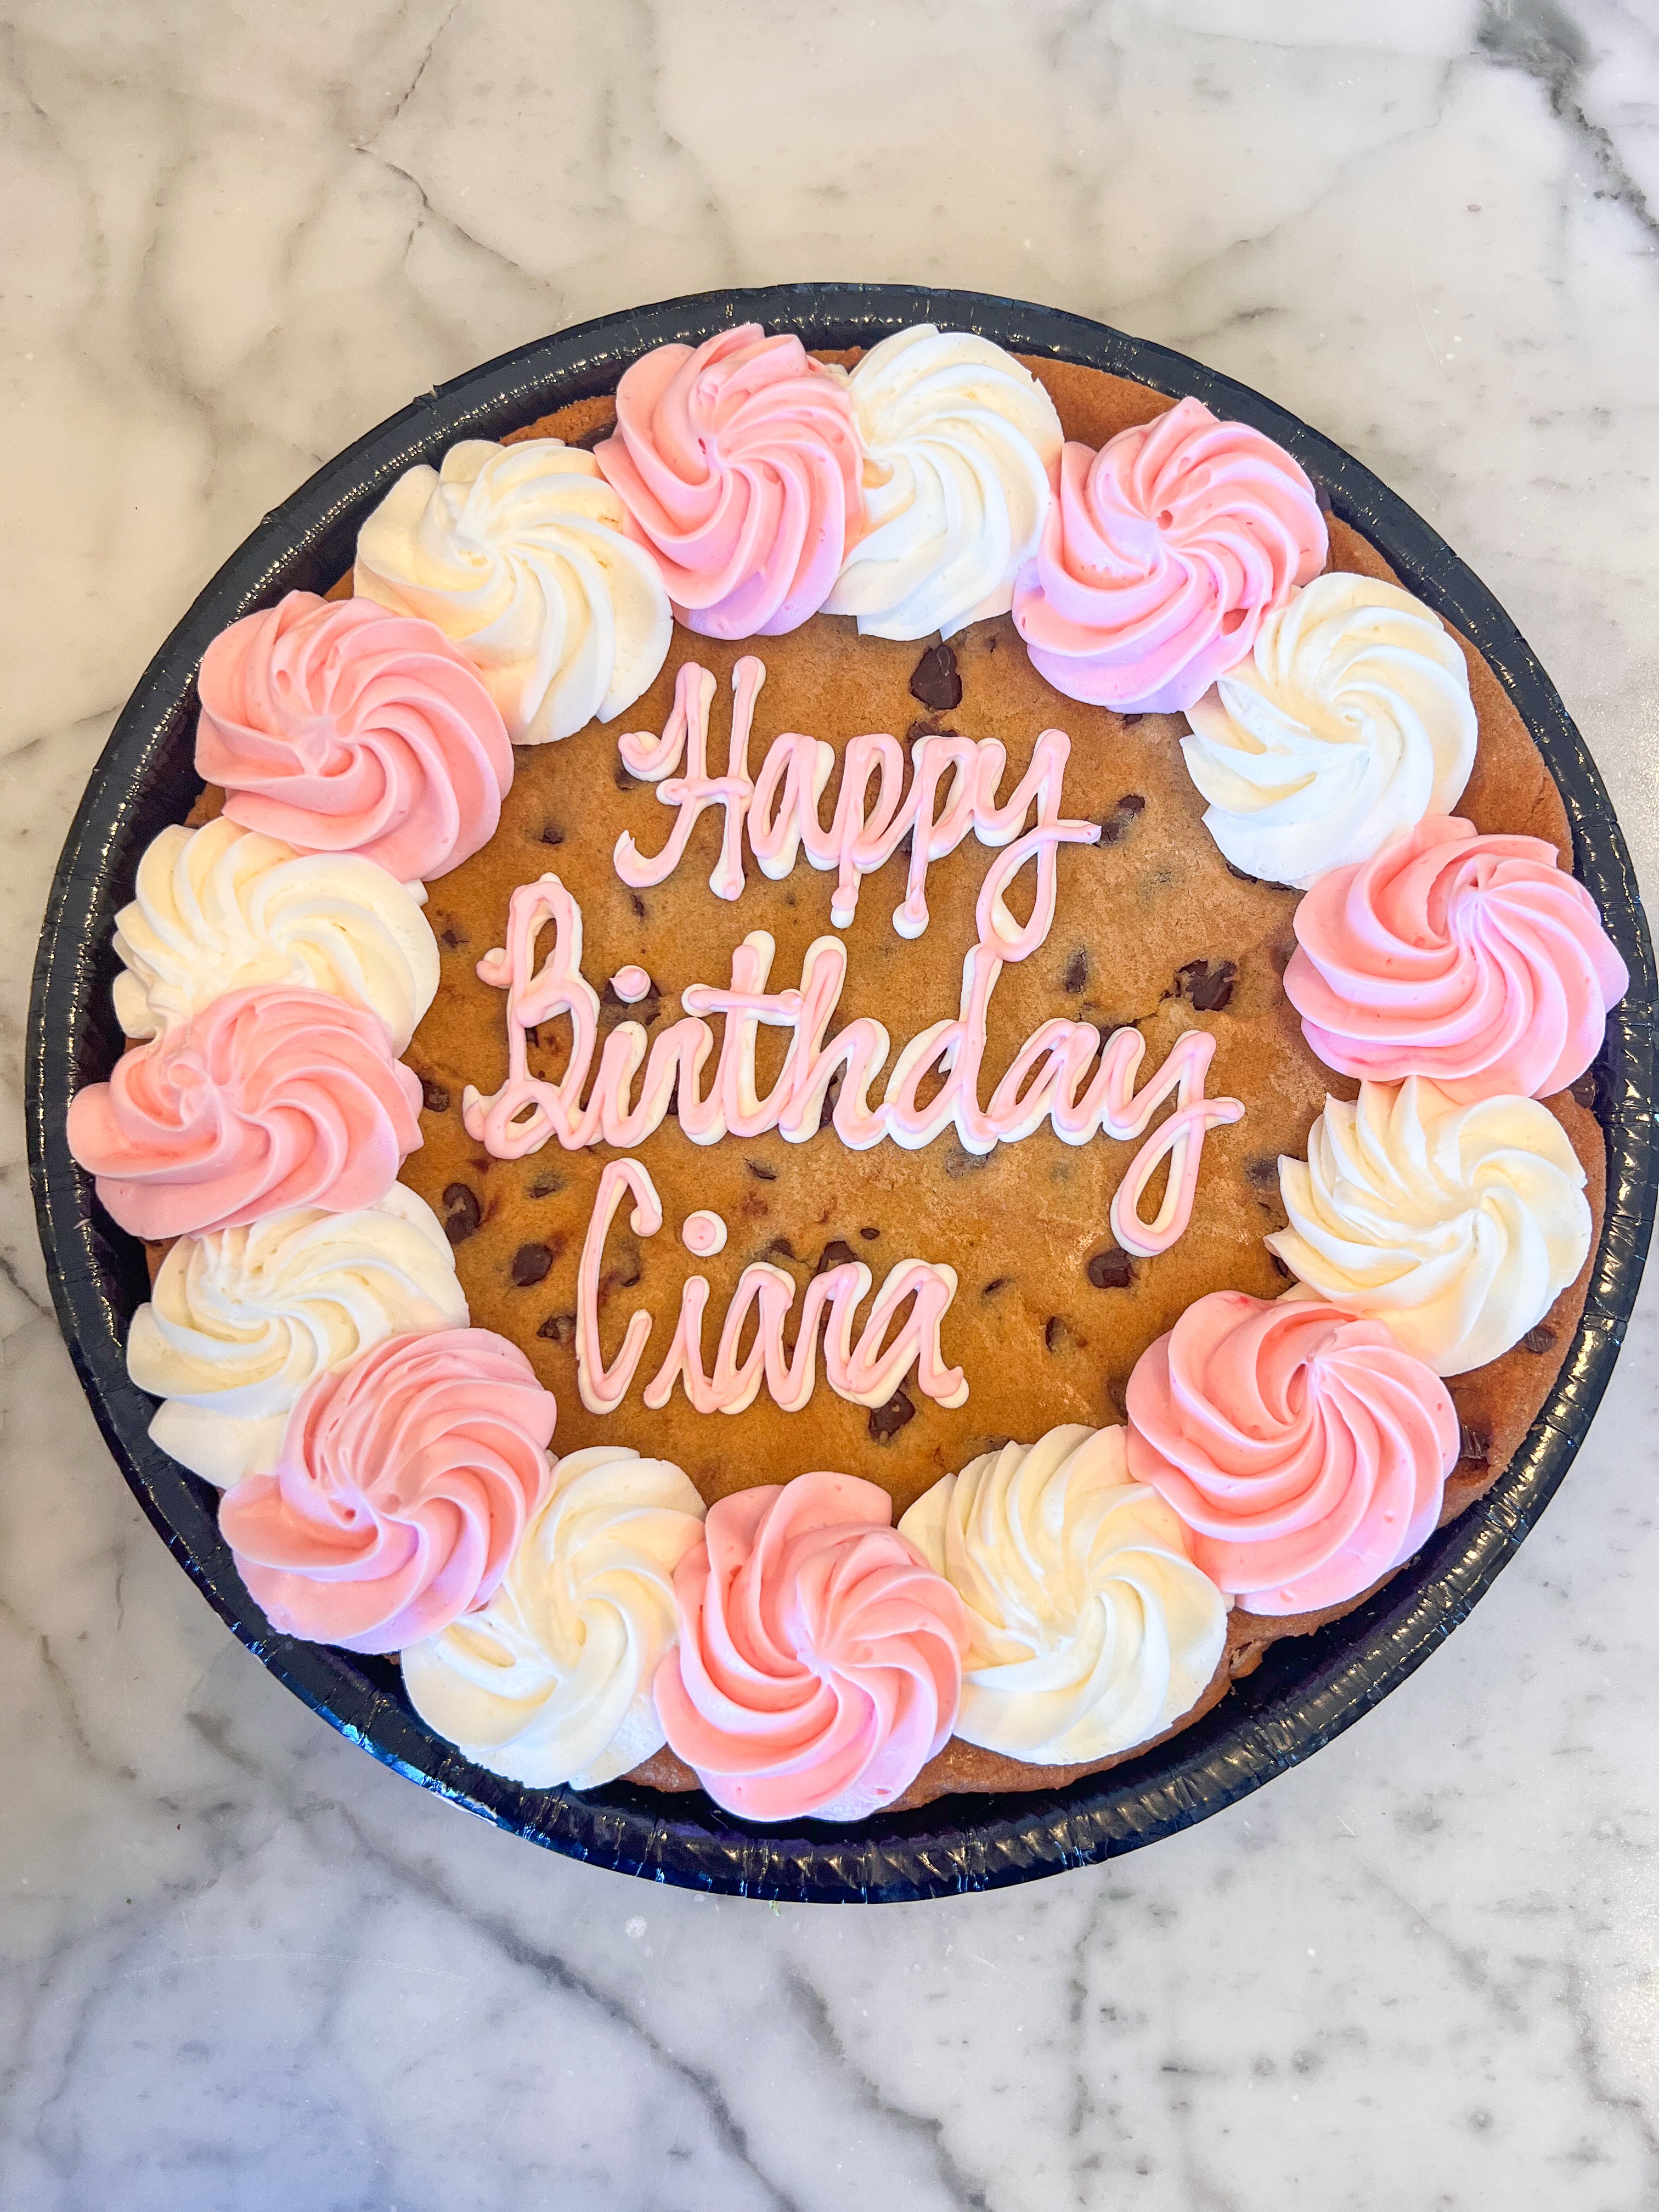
(1474, 960)
(1161, 557)
(266, 1098)
(739, 468)
(1305, 1449)
(342, 728)
(405, 1483)
(819, 1665)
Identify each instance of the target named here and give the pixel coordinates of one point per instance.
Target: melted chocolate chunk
(779, 1248)
(624, 781)
(935, 681)
(1116, 825)
(759, 1169)
(530, 1265)
(1262, 1173)
(1110, 1270)
(1583, 1091)
(837, 1253)
(453, 938)
(927, 726)
(588, 438)
(869, 1235)
(1208, 984)
(561, 1328)
(1131, 802)
(1077, 971)
(644, 1011)
(1473, 1444)
(462, 1211)
(435, 1099)
(549, 1187)
(1541, 1339)
(552, 834)
(885, 1421)
(638, 905)
(1127, 718)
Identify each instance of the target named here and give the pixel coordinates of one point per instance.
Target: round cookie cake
(861, 1064)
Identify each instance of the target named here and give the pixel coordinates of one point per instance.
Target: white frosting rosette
(241, 1320)
(958, 440)
(550, 1682)
(1350, 721)
(1090, 1628)
(517, 553)
(220, 908)
(1457, 1226)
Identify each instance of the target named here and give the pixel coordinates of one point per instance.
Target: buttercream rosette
(518, 554)
(266, 1099)
(240, 1321)
(341, 727)
(550, 1682)
(958, 440)
(404, 1482)
(1458, 1226)
(1304, 1449)
(223, 908)
(1476, 961)
(819, 1664)
(1162, 555)
(1090, 1629)
(738, 468)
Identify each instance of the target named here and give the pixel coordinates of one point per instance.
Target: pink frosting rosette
(1305, 1449)
(404, 1482)
(263, 1100)
(739, 468)
(819, 1665)
(1476, 961)
(342, 728)
(1161, 557)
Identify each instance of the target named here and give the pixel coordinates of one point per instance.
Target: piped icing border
(388, 1482)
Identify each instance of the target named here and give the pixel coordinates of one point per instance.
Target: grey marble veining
(242, 1967)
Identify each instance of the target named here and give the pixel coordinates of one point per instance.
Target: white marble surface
(242, 1966)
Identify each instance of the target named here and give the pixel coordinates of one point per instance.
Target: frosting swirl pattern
(241, 1321)
(404, 1484)
(1457, 1225)
(550, 1681)
(959, 440)
(739, 467)
(1162, 555)
(518, 554)
(1349, 722)
(221, 908)
(1304, 1449)
(1090, 1627)
(341, 728)
(1474, 960)
(263, 1100)
(819, 1664)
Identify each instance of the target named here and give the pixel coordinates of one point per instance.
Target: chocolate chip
(1077, 971)
(869, 1235)
(560, 1328)
(1131, 802)
(453, 938)
(760, 1171)
(638, 905)
(624, 781)
(837, 1253)
(551, 834)
(779, 1248)
(1262, 1173)
(1473, 1444)
(1110, 1270)
(462, 1211)
(1208, 984)
(927, 726)
(1126, 720)
(435, 1099)
(935, 681)
(530, 1265)
(549, 1187)
(1116, 825)
(1243, 875)
(997, 1283)
(831, 1099)
(1279, 1268)
(644, 1011)
(886, 1421)
(959, 1161)
(1583, 1091)
(1540, 1339)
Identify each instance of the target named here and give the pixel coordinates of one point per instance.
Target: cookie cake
(860, 1064)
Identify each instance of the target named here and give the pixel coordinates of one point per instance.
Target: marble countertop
(242, 1966)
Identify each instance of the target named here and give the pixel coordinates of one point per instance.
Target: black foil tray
(1308, 1689)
